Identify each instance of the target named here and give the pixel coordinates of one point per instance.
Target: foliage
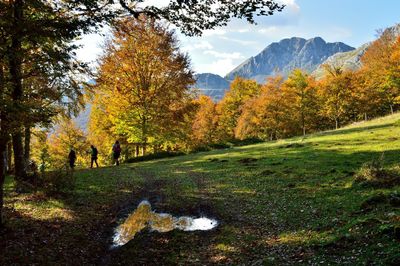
(230, 108)
(263, 117)
(67, 136)
(204, 127)
(143, 81)
(379, 64)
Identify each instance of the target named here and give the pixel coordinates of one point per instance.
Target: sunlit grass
(272, 199)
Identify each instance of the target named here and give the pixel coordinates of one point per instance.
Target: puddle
(143, 217)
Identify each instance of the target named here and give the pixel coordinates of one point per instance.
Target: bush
(374, 174)
(57, 182)
(154, 156)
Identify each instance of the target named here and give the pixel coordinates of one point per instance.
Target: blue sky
(353, 22)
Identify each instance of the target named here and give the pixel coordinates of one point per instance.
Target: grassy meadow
(286, 202)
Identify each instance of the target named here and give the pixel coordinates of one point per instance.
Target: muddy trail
(150, 247)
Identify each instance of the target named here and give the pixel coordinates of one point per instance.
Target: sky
(219, 51)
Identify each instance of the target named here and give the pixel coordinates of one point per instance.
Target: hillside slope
(285, 202)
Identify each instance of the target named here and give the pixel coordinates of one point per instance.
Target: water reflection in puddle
(144, 217)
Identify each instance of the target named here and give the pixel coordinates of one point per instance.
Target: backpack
(117, 148)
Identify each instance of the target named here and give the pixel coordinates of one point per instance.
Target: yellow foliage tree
(143, 84)
(230, 108)
(300, 95)
(68, 136)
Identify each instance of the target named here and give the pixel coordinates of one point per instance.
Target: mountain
(211, 85)
(284, 56)
(347, 61)
(350, 60)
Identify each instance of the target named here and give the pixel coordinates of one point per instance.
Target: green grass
(285, 202)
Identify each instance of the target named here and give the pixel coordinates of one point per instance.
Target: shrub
(374, 174)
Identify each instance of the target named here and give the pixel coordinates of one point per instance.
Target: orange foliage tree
(205, 121)
(379, 61)
(264, 116)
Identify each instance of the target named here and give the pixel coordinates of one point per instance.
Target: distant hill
(350, 60)
(347, 61)
(212, 85)
(285, 56)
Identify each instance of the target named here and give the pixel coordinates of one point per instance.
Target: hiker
(93, 154)
(116, 150)
(72, 158)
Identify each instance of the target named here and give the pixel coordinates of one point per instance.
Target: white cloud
(239, 41)
(203, 45)
(216, 54)
(220, 67)
(217, 31)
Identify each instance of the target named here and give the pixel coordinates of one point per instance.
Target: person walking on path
(116, 150)
(93, 154)
(72, 158)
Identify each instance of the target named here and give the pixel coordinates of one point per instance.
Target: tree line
(143, 96)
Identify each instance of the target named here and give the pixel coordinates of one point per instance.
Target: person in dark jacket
(116, 149)
(93, 154)
(72, 158)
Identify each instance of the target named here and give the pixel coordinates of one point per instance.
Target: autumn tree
(264, 116)
(230, 107)
(101, 129)
(378, 63)
(300, 95)
(204, 122)
(145, 79)
(67, 136)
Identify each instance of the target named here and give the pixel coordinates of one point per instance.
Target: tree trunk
(144, 149)
(19, 161)
(365, 117)
(137, 150)
(336, 123)
(27, 146)
(391, 109)
(3, 149)
(15, 63)
(9, 156)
